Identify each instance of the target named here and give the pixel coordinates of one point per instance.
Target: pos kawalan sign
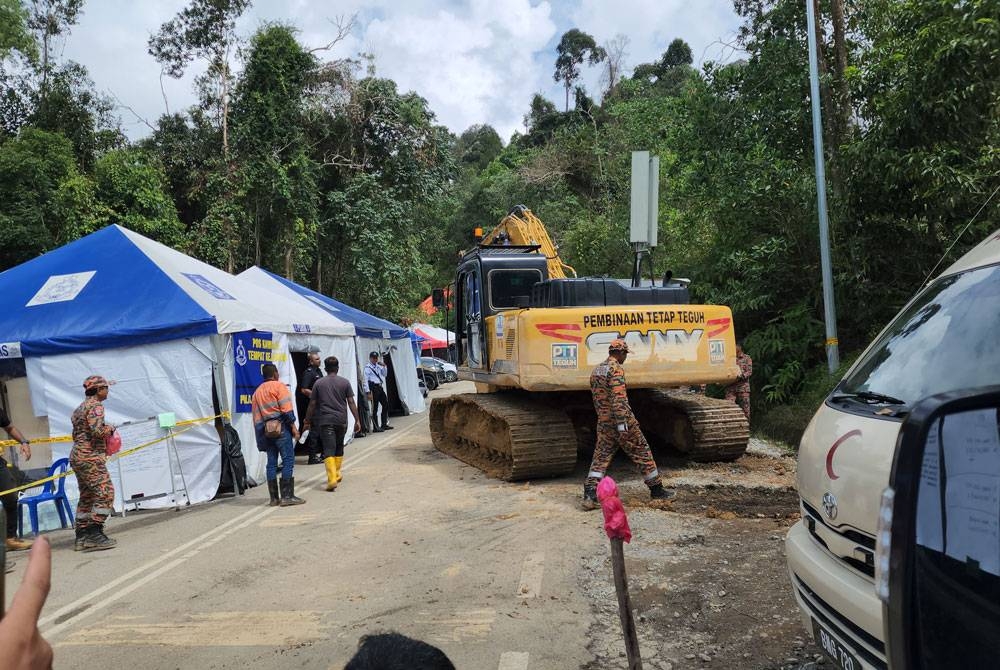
(250, 352)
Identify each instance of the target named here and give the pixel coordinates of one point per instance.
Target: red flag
(615, 519)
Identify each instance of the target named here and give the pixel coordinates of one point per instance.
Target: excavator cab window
(511, 289)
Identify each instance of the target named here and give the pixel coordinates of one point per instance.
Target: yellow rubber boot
(340, 464)
(331, 473)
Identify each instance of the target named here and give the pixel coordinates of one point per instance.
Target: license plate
(838, 653)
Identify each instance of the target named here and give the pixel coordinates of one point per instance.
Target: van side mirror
(938, 545)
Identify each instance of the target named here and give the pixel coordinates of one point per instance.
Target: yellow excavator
(529, 337)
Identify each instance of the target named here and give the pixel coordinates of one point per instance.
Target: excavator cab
(491, 280)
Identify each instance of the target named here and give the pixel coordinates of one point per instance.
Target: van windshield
(948, 339)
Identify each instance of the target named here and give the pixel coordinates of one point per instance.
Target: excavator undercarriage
(518, 435)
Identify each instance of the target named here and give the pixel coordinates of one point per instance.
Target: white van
(946, 338)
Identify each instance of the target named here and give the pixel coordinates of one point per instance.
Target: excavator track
(507, 436)
(703, 429)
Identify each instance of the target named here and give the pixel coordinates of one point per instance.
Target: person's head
(392, 651)
(618, 350)
(331, 365)
(96, 385)
(314, 359)
(739, 348)
(269, 370)
(373, 356)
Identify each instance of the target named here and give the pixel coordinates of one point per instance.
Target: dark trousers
(9, 479)
(364, 412)
(379, 398)
(332, 438)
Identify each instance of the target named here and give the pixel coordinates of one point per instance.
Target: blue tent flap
(365, 324)
(98, 292)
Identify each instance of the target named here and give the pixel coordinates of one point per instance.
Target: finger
(30, 598)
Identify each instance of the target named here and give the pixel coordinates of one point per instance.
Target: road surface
(498, 575)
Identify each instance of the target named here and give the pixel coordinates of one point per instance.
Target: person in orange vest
(274, 424)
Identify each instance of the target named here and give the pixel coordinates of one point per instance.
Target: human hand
(25, 450)
(24, 647)
(295, 434)
(357, 428)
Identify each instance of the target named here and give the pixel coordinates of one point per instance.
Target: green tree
(43, 198)
(14, 34)
(49, 19)
(478, 146)
(277, 174)
(204, 30)
(131, 191)
(574, 48)
(677, 54)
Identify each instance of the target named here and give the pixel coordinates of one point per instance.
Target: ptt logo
(565, 356)
(716, 352)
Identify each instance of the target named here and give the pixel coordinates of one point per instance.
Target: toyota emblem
(830, 505)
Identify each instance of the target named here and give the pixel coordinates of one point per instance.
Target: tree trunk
(224, 108)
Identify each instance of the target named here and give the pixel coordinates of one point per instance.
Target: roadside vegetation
(323, 170)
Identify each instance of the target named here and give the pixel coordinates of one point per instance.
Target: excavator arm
(522, 228)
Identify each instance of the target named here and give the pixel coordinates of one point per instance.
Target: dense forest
(323, 170)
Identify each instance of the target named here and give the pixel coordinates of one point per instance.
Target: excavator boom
(522, 228)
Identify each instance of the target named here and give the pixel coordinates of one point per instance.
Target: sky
(474, 61)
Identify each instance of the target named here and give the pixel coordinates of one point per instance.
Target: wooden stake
(625, 604)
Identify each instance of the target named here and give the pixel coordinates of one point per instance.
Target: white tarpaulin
(404, 367)
(173, 376)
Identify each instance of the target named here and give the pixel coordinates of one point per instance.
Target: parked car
(429, 377)
(450, 371)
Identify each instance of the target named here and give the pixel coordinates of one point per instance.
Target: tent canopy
(433, 337)
(116, 288)
(365, 324)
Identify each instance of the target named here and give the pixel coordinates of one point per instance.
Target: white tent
(162, 324)
(373, 334)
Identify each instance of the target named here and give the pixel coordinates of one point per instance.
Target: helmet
(95, 381)
(618, 345)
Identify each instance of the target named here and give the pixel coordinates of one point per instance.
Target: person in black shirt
(302, 396)
(10, 478)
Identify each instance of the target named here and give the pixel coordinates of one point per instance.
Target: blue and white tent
(373, 333)
(160, 323)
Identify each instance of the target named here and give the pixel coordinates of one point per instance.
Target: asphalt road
(412, 541)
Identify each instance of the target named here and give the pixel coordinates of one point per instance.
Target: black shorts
(332, 440)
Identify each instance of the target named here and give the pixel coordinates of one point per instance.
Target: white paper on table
(971, 446)
(929, 532)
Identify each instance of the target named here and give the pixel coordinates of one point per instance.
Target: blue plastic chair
(58, 496)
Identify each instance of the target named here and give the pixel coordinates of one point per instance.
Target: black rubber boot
(288, 496)
(80, 534)
(387, 427)
(659, 493)
(96, 540)
(314, 459)
(272, 488)
(589, 501)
